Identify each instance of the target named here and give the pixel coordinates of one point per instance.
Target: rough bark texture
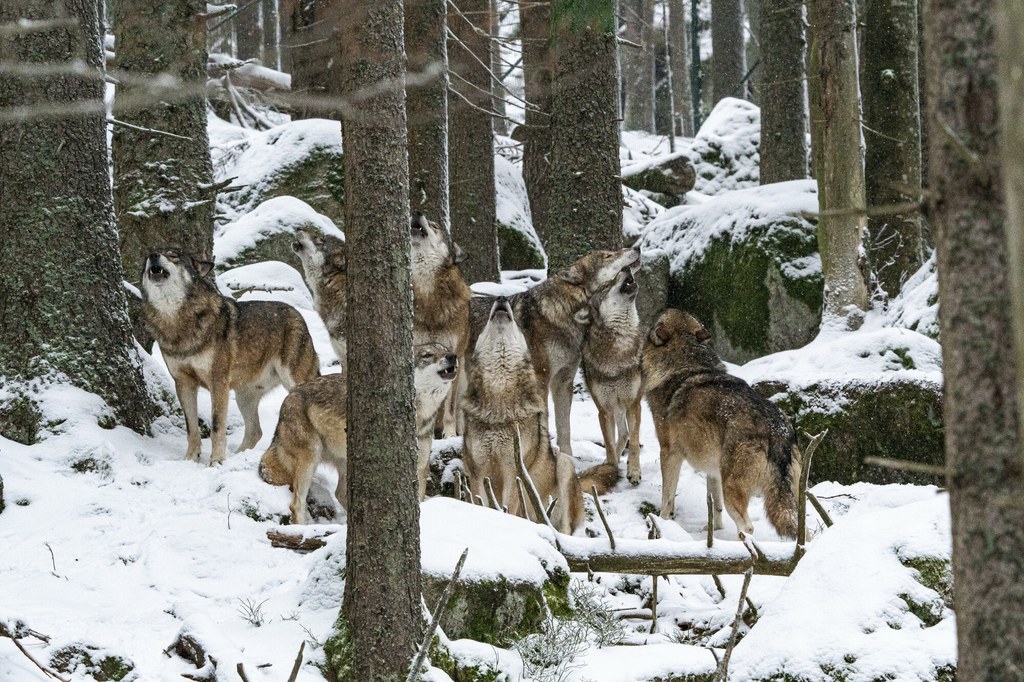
(892, 131)
(752, 49)
(696, 74)
(310, 51)
(586, 190)
(538, 67)
(62, 303)
(471, 140)
(272, 33)
(679, 58)
(499, 120)
(638, 64)
(980, 407)
(783, 101)
(380, 622)
(248, 30)
(426, 46)
(728, 59)
(161, 184)
(836, 129)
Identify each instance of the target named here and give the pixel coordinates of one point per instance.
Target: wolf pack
(484, 368)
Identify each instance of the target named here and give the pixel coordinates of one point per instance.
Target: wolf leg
(633, 431)
(248, 400)
(715, 490)
(671, 463)
(188, 393)
(561, 393)
(305, 467)
(737, 498)
(219, 393)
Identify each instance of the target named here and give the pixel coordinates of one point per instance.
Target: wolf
(611, 367)
(504, 409)
(312, 425)
(546, 315)
(210, 340)
(719, 424)
(323, 258)
(440, 300)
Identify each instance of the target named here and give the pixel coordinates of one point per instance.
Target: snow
(512, 202)
(725, 149)
(273, 216)
(917, 305)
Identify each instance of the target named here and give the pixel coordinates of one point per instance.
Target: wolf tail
(604, 476)
(781, 490)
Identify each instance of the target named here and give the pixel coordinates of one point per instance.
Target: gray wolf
(213, 341)
(504, 408)
(719, 424)
(546, 315)
(611, 368)
(313, 419)
(323, 264)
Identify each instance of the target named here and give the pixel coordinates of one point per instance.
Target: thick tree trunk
(426, 45)
(783, 109)
(311, 49)
(836, 128)
(499, 120)
(967, 212)
(679, 58)
(272, 34)
(892, 131)
(63, 308)
(248, 30)
(162, 182)
(471, 140)
(638, 64)
(728, 63)
(696, 74)
(381, 621)
(586, 190)
(538, 67)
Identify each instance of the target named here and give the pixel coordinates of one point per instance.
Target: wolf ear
(571, 275)
(583, 317)
(703, 335)
(459, 255)
(659, 335)
(203, 267)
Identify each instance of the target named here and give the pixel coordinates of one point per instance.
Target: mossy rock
(442, 656)
(90, 661)
(518, 245)
(935, 573)
(672, 177)
(21, 420)
(653, 278)
(517, 250)
(896, 419)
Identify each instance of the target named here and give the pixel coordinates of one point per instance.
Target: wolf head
(677, 341)
(321, 254)
(598, 269)
(615, 304)
(435, 364)
(501, 334)
(169, 276)
(432, 248)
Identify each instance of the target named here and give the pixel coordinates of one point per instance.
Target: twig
(552, 501)
(711, 521)
(46, 671)
(722, 674)
(904, 465)
(654, 603)
(298, 663)
(719, 585)
(884, 209)
(531, 488)
(457, 484)
(491, 497)
(435, 620)
(604, 519)
(801, 500)
(819, 508)
(114, 122)
(522, 498)
(241, 672)
(229, 511)
(53, 561)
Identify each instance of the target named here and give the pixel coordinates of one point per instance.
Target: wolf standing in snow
(210, 340)
(323, 263)
(720, 425)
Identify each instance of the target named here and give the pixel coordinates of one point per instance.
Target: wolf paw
(192, 455)
(634, 477)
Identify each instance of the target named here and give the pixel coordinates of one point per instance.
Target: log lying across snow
(301, 538)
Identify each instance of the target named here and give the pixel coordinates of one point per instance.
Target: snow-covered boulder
(518, 243)
(725, 150)
(668, 177)
(877, 391)
(746, 264)
(637, 212)
(917, 305)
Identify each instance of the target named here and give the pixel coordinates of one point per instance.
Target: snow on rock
(917, 305)
(637, 212)
(518, 243)
(651, 662)
(267, 281)
(725, 150)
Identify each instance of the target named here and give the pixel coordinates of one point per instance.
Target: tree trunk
(63, 308)
(783, 110)
(679, 58)
(471, 140)
(696, 76)
(500, 120)
(892, 131)
(162, 183)
(638, 65)
(311, 50)
(727, 62)
(426, 46)
(840, 176)
(248, 30)
(272, 34)
(967, 212)
(586, 190)
(380, 623)
(752, 50)
(538, 67)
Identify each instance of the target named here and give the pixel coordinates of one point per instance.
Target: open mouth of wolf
(502, 311)
(157, 273)
(447, 373)
(418, 232)
(629, 286)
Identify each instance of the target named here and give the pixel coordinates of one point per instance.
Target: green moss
(935, 574)
(84, 659)
(90, 464)
(339, 656)
(929, 613)
(517, 251)
(646, 508)
(556, 594)
(20, 420)
(251, 508)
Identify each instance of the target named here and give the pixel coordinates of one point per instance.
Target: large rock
(668, 177)
(518, 243)
(746, 264)
(725, 151)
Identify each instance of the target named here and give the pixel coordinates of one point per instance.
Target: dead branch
(904, 465)
(653, 529)
(241, 672)
(670, 558)
(723, 667)
(711, 521)
(719, 585)
(435, 620)
(532, 489)
(522, 499)
(654, 603)
(491, 497)
(13, 636)
(819, 508)
(114, 122)
(801, 501)
(604, 519)
(300, 542)
(298, 663)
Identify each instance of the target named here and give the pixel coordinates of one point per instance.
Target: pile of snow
(266, 281)
(725, 150)
(272, 217)
(917, 305)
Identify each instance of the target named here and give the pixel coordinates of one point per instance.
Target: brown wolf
(503, 403)
(323, 264)
(210, 340)
(313, 419)
(440, 299)
(546, 314)
(611, 368)
(719, 424)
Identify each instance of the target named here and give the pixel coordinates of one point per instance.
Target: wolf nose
(451, 358)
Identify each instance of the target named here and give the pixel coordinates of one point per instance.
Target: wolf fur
(210, 340)
(311, 428)
(323, 258)
(546, 315)
(505, 406)
(611, 368)
(719, 424)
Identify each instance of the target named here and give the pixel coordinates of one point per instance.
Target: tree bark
(836, 130)
(272, 34)
(728, 64)
(248, 30)
(638, 65)
(892, 131)
(967, 212)
(538, 67)
(500, 119)
(471, 141)
(426, 45)
(63, 311)
(586, 190)
(783, 108)
(754, 69)
(380, 622)
(696, 74)
(161, 184)
(679, 58)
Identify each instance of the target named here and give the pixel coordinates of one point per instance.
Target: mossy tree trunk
(696, 75)
(538, 68)
(783, 110)
(426, 104)
(892, 131)
(839, 169)
(471, 140)
(679, 58)
(380, 623)
(967, 211)
(62, 307)
(638, 64)
(728, 52)
(586, 190)
(162, 184)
